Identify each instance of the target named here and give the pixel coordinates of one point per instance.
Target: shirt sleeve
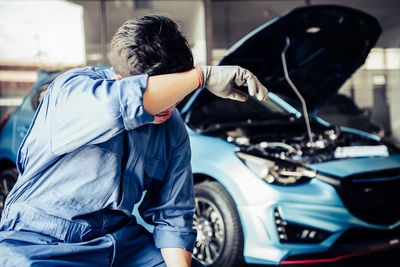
(87, 108)
(169, 203)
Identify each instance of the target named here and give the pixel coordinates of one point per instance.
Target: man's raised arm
(165, 90)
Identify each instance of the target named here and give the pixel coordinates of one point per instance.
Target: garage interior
(58, 35)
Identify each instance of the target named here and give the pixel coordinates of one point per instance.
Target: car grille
(373, 197)
(358, 235)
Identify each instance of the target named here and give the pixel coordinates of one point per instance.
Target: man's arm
(163, 91)
(169, 202)
(83, 107)
(176, 257)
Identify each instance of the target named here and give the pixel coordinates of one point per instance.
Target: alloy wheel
(7, 181)
(210, 231)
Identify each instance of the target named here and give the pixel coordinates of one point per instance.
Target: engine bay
(291, 143)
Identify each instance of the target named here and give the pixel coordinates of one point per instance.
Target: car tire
(8, 177)
(220, 236)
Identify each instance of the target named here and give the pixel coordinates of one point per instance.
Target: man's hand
(222, 80)
(176, 257)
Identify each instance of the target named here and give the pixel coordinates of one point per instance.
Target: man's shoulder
(176, 121)
(176, 128)
(90, 72)
(173, 129)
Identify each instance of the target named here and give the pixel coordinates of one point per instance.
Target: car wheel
(219, 231)
(8, 177)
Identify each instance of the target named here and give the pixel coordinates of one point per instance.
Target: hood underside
(327, 44)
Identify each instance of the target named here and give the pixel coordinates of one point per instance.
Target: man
(99, 140)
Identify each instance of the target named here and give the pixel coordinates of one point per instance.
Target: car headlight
(277, 172)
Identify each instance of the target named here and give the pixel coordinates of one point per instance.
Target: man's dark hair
(152, 45)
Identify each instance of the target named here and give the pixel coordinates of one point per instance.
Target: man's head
(152, 45)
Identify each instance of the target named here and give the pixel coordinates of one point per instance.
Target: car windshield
(209, 109)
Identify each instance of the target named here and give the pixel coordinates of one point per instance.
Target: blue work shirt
(89, 155)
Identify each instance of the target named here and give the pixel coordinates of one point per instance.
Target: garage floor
(388, 258)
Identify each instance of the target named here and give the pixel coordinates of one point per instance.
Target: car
(13, 129)
(274, 184)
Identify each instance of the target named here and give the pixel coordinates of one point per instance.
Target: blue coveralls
(88, 156)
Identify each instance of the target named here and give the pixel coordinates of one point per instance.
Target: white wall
(393, 86)
(41, 32)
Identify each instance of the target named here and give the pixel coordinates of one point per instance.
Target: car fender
(216, 158)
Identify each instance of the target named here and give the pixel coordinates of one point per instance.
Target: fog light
(295, 233)
(280, 226)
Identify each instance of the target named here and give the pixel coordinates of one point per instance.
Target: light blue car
(271, 186)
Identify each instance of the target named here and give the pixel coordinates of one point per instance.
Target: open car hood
(328, 44)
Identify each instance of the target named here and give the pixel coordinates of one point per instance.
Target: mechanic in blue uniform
(99, 140)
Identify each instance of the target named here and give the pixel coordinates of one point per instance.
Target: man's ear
(117, 77)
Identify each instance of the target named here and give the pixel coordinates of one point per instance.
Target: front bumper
(263, 245)
(338, 252)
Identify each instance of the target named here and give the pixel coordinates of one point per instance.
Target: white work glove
(222, 80)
